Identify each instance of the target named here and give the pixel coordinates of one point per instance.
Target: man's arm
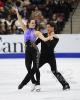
(55, 41)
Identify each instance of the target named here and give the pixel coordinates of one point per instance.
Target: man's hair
(51, 23)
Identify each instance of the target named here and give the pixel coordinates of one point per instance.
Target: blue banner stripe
(12, 55)
(67, 55)
(57, 55)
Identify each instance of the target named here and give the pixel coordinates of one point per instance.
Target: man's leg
(58, 75)
(41, 63)
(37, 74)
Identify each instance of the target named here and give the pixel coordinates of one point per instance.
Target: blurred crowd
(42, 11)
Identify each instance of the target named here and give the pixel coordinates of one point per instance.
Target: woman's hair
(29, 20)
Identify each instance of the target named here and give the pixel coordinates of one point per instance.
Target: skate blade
(38, 90)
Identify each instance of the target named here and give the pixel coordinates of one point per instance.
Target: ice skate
(66, 87)
(33, 87)
(37, 88)
(20, 86)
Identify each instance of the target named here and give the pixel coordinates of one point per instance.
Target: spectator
(38, 9)
(37, 2)
(25, 13)
(2, 28)
(14, 29)
(35, 12)
(1, 4)
(26, 2)
(49, 7)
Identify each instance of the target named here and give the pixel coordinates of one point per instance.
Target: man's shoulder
(55, 38)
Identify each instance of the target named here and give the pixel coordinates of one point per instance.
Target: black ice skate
(66, 87)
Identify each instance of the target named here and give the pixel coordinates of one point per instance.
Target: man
(47, 55)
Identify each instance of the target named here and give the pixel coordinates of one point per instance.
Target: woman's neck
(31, 28)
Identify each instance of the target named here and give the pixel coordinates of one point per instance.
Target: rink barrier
(57, 55)
(12, 46)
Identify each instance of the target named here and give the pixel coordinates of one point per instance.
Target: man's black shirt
(47, 48)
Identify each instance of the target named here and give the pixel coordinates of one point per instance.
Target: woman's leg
(28, 77)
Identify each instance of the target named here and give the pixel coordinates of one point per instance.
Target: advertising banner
(13, 46)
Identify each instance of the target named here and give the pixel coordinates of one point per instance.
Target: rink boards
(12, 46)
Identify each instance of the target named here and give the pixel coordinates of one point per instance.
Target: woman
(31, 51)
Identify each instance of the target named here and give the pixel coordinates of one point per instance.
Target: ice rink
(12, 71)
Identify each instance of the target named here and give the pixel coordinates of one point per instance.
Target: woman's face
(32, 24)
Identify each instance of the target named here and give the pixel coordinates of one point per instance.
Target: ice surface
(12, 71)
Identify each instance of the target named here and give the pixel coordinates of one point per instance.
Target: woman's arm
(38, 41)
(39, 35)
(20, 19)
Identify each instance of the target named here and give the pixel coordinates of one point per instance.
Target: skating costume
(31, 55)
(47, 56)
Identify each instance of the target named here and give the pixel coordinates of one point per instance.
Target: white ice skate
(33, 87)
(37, 88)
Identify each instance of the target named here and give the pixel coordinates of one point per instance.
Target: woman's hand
(15, 9)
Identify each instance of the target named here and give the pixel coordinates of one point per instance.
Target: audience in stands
(42, 11)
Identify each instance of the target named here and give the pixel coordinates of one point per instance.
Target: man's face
(50, 28)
